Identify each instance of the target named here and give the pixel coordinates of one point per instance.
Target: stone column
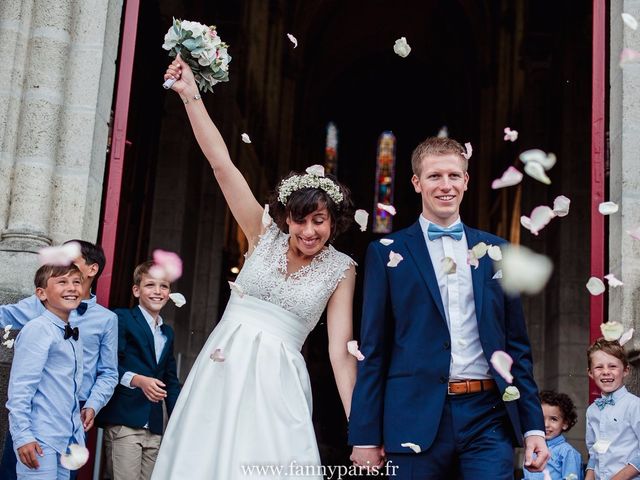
(624, 182)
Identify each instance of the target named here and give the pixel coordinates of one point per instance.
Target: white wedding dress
(249, 415)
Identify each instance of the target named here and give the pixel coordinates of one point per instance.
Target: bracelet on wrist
(195, 97)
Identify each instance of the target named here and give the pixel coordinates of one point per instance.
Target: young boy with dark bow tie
(46, 376)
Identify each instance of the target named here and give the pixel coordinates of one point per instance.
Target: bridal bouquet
(202, 49)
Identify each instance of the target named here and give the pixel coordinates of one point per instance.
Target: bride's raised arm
(243, 204)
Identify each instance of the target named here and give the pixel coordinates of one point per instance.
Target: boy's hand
(29, 453)
(87, 415)
(151, 387)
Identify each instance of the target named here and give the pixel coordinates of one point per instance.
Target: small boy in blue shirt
(46, 376)
(559, 416)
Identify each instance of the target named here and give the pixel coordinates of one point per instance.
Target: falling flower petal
(362, 218)
(561, 206)
(266, 218)
(293, 40)
(352, 348)
(630, 21)
(217, 355)
(386, 241)
(167, 265)
(245, 138)
(62, 255)
(76, 457)
(511, 176)
(412, 446)
(8, 328)
(8, 343)
(524, 271)
(472, 260)
(480, 249)
(613, 281)
(6, 335)
(394, 259)
(317, 170)
(634, 233)
(443, 132)
(595, 286)
(448, 265)
(401, 47)
(390, 209)
(626, 336)
(236, 288)
(468, 150)
(608, 208)
(611, 330)
(540, 217)
(601, 446)
(547, 161)
(178, 299)
(510, 394)
(510, 135)
(536, 171)
(571, 476)
(494, 253)
(628, 55)
(497, 275)
(502, 362)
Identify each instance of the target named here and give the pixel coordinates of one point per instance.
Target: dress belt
(462, 387)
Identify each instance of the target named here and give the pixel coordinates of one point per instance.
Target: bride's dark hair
(306, 200)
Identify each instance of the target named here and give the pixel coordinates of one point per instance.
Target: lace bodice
(304, 293)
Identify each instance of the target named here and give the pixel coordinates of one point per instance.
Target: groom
(426, 393)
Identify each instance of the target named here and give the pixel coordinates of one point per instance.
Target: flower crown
(314, 178)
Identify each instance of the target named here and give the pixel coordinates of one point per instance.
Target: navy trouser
(474, 441)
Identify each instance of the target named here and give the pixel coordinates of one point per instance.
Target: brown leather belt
(461, 387)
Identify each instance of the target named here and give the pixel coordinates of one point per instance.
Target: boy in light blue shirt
(46, 375)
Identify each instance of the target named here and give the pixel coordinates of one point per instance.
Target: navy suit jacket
(136, 353)
(402, 382)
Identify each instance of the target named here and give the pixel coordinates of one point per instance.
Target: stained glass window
(385, 173)
(331, 149)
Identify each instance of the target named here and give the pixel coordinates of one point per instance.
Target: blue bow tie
(82, 308)
(604, 401)
(435, 231)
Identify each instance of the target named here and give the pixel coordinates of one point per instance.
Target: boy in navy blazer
(133, 419)
(426, 394)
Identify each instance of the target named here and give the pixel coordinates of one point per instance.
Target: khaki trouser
(130, 452)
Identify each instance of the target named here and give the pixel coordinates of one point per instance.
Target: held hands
(369, 458)
(151, 387)
(535, 444)
(29, 454)
(185, 83)
(87, 415)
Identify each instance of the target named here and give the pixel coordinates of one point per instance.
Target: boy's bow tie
(604, 401)
(71, 332)
(436, 231)
(82, 308)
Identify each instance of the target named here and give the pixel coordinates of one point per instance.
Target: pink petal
(628, 55)
(613, 281)
(511, 176)
(217, 355)
(390, 209)
(502, 362)
(472, 260)
(540, 217)
(352, 348)
(469, 151)
(561, 206)
(170, 263)
(394, 259)
(510, 135)
(634, 233)
(362, 218)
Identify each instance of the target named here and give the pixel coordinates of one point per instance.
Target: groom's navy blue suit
(401, 390)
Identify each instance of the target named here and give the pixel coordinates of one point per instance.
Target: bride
(245, 409)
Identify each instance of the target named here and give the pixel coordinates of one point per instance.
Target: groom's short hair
(436, 146)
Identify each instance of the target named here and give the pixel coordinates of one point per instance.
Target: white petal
(524, 271)
(448, 265)
(595, 286)
(352, 348)
(317, 170)
(217, 355)
(443, 132)
(245, 138)
(561, 206)
(8, 343)
(630, 21)
(525, 222)
(510, 394)
(494, 253)
(77, 457)
(178, 299)
(386, 241)
(6, 335)
(613, 281)
(510, 135)
(611, 330)
(62, 255)
(601, 446)
(626, 336)
(628, 55)
(236, 288)
(571, 476)
(412, 446)
(535, 170)
(540, 217)
(362, 218)
(469, 150)
(479, 250)
(547, 161)
(8, 327)
(401, 47)
(266, 218)
(608, 208)
(511, 176)
(472, 260)
(634, 233)
(394, 259)
(390, 209)
(502, 362)
(293, 40)
(497, 275)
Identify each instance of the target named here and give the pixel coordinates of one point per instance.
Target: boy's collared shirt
(46, 377)
(619, 425)
(564, 460)
(99, 330)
